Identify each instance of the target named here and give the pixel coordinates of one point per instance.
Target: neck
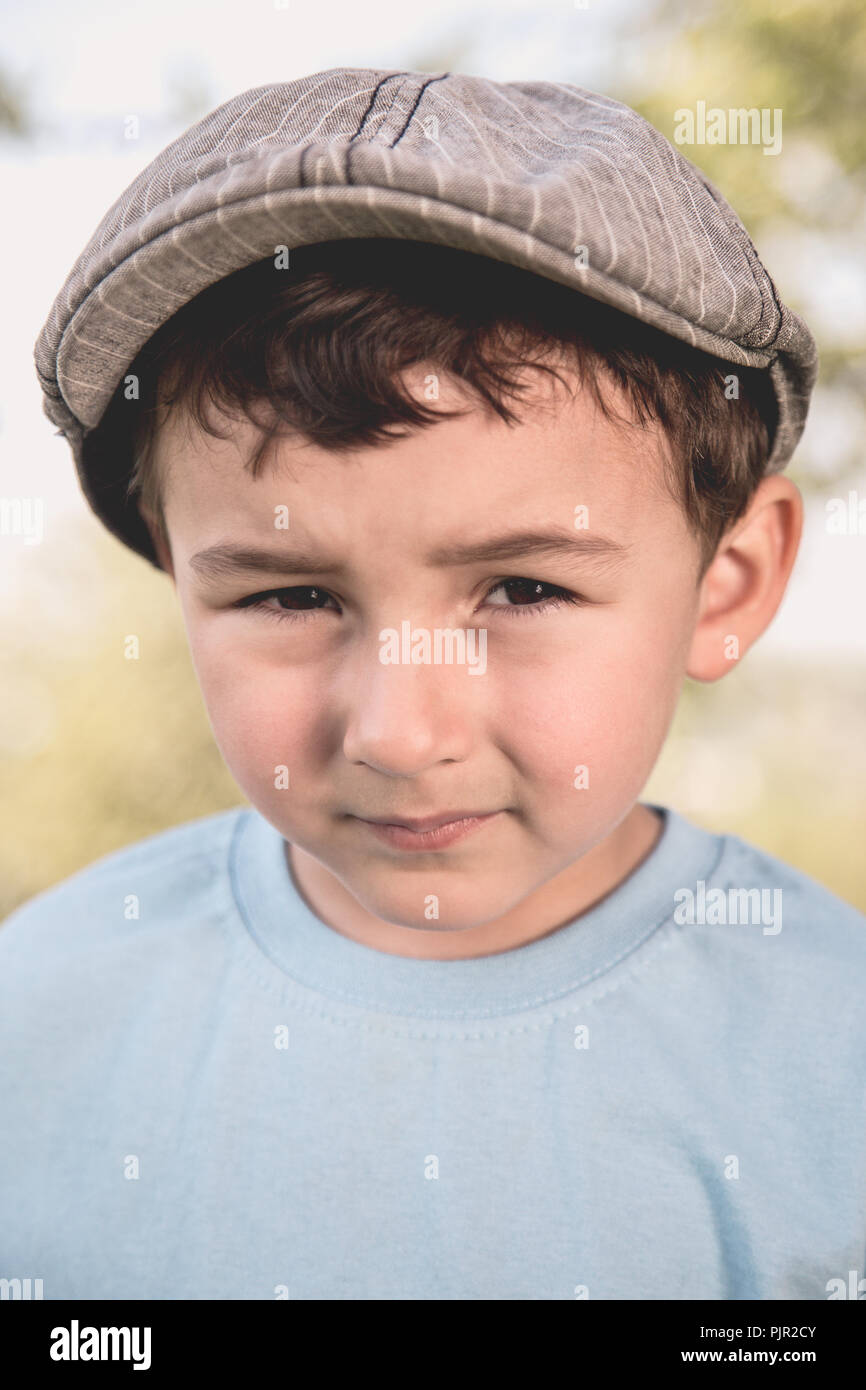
(561, 899)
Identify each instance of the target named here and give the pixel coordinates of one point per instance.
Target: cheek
(264, 715)
(604, 704)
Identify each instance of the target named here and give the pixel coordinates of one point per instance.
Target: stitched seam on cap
(421, 92)
(347, 164)
(753, 260)
(388, 109)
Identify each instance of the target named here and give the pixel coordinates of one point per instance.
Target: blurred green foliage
(100, 750)
(808, 62)
(15, 115)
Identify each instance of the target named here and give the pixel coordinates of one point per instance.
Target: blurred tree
(15, 117)
(808, 203)
(808, 61)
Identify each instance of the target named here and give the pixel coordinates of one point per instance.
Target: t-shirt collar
(302, 946)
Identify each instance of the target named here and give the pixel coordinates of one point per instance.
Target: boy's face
(561, 722)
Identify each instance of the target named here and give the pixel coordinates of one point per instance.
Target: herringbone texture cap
(550, 177)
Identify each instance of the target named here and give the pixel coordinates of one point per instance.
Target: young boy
(456, 412)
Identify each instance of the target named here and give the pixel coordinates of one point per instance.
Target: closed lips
(430, 822)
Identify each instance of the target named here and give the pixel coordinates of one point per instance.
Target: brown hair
(322, 347)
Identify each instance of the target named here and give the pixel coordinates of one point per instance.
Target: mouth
(422, 823)
(432, 832)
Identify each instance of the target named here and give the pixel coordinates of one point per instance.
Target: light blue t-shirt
(207, 1092)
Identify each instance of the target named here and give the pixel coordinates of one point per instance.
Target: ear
(745, 582)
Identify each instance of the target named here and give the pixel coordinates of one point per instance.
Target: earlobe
(746, 581)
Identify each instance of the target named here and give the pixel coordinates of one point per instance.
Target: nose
(404, 718)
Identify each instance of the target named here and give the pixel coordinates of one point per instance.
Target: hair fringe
(323, 351)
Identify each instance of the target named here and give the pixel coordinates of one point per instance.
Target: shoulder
(781, 907)
(148, 884)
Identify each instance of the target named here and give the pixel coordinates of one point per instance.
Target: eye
(288, 597)
(531, 596)
(528, 596)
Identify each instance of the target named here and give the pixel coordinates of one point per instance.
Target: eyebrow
(228, 559)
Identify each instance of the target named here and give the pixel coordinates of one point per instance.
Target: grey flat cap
(545, 175)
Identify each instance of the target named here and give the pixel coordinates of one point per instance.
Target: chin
(474, 910)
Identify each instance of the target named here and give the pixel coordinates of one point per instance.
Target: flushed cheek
(586, 738)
